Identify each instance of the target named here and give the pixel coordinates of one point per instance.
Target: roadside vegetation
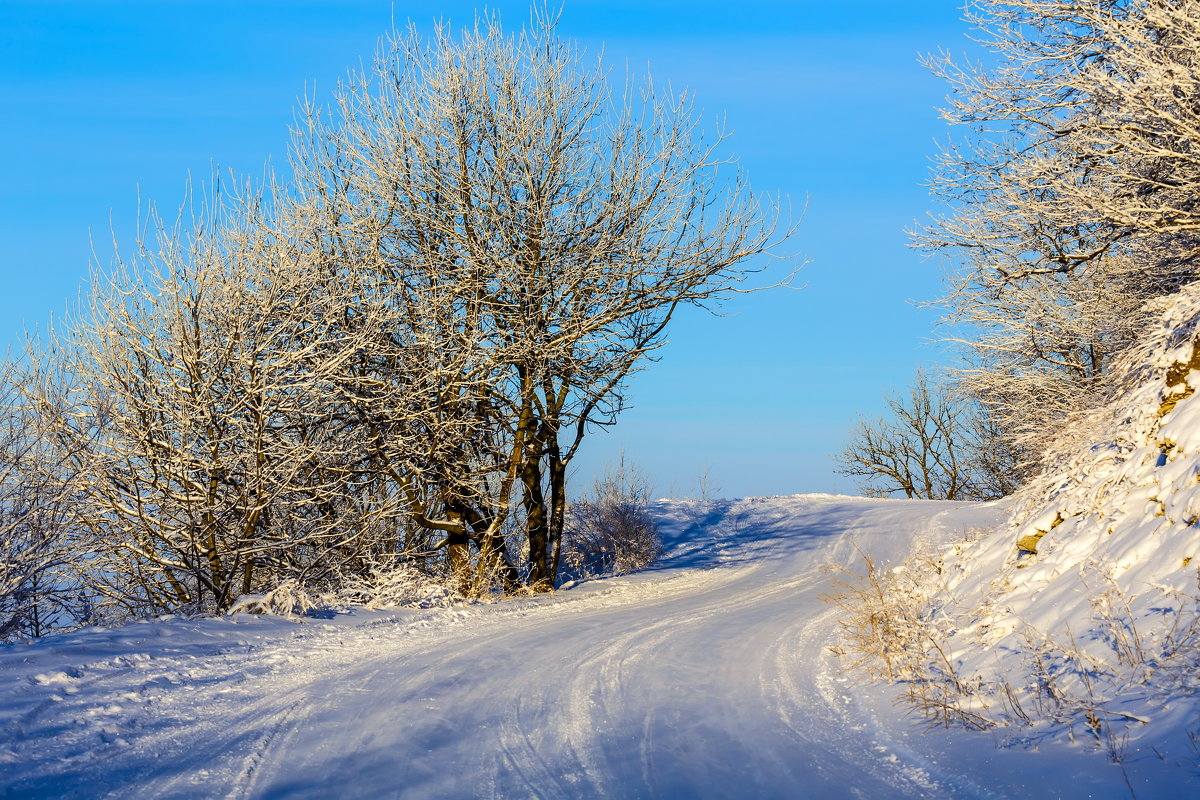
(1072, 301)
(379, 373)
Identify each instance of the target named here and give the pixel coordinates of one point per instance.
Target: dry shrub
(611, 532)
(904, 624)
(889, 632)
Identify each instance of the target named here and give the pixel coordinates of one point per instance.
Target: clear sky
(101, 102)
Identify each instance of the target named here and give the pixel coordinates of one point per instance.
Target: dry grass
(899, 625)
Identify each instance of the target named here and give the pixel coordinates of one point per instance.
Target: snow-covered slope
(707, 676)
(1081, 616)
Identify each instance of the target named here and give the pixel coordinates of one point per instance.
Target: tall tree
(536, 232)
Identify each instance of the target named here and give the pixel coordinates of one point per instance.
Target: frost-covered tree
(1074, 197)
(199, 419)
(392, 362)
(38, 592)
(535, 231)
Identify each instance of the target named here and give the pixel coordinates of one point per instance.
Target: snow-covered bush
(288, 598)
(1085, 608)
(611, 532)
(389, 585)
(377, 582)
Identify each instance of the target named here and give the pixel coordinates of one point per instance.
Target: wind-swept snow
(707, 676)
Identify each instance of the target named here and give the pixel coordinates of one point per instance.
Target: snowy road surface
(707, 676)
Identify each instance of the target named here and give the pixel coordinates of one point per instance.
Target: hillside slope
(1080, 617)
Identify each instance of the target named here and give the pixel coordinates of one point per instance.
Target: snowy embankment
(707, 676)
(1079, 618)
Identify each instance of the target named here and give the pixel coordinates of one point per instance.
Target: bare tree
(1074, 197)
(536, 232)
(932, 447)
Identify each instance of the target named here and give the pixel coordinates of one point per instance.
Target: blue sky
(104, 102)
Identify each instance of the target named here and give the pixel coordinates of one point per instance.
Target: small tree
(934, 446)
(38, 590)
(199, 418)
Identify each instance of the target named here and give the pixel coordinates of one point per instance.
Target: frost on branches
(386, 367)
(1073, 195)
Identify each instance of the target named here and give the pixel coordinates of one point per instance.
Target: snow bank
(1080, 616)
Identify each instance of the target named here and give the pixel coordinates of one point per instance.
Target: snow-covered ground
(707, 676)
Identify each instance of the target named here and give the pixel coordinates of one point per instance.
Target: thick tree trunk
(458, 547)
(558, 512)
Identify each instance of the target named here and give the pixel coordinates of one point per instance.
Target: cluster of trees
(1074, 200)
(935, 444)
(396, 355)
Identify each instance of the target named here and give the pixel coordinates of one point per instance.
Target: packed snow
(709, 675)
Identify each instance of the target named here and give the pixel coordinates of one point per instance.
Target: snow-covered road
(707, 676)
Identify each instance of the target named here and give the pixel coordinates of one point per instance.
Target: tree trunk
(537, 525)
(458, 547)
(558, 512)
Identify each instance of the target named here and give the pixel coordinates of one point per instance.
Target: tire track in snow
(577, 701)
(821, 698)
(276, 738)
(520, 754)
(815, 705)
(602, 697)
